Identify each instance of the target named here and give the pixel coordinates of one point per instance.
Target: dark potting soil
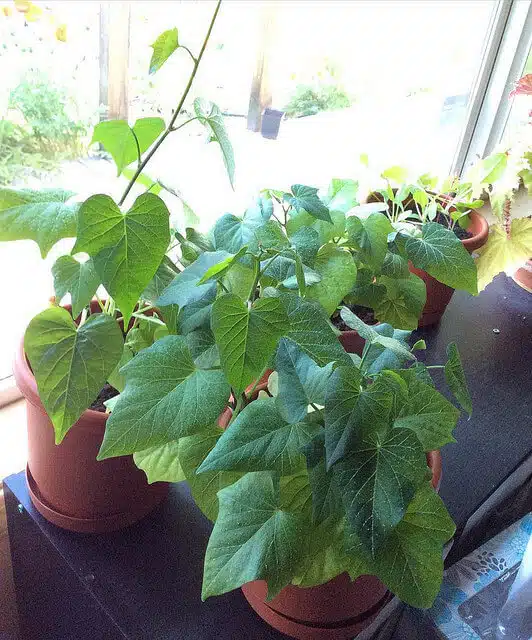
(364, 313)
(461, 234)
(106, 393)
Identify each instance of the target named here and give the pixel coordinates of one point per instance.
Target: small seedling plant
(325, 472)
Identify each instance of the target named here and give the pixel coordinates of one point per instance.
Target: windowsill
(9, 391)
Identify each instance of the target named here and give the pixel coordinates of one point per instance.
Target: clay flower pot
(523, 276)
(352, 342)
(67, 485)
(438, 294)
(336, 610)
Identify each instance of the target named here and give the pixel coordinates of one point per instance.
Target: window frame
(508, 43)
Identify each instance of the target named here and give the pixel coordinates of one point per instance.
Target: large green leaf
(77, 278)
(220, 269)
(342, 195)
(231, 233)
(455, 378)
(323, 556)
(301, 381)
(441, 254)
(351, 411)
(370, 236)
(427, 413)
(252, 539)
(164, 399)
(246, 338)
(127, 248)
(377, 357)
(504, 252)
(160, 463)
(377, 481)
(204, 486)
(410, 562)
(210, 115)
(402, 304)
(126, 143)
(395, 265)
(306, 242)
(338, 275)
(310, 330)
(115, 378)
(305, 198)
(325, 230)
(163, 47)
(184, 289)
(71, 364)
(44, 216)
(372, 336)
(164, 275)
(260, 439)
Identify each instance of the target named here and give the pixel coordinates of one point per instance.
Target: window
(404, 81)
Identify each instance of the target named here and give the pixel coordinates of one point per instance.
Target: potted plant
(68, 366)
(509, 245)
(434, 253)
(319, 485)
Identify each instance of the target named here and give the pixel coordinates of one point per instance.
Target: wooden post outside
(104, 60)
(260, 96)
(114, 58)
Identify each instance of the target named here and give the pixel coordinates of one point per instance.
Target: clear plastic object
(515, 618)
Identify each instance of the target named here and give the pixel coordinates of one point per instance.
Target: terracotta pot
(67, 485)
(438, 294)
(352, 342)
(523, 276)
(336, 610)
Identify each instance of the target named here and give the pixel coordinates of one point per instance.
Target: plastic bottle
(515, 618)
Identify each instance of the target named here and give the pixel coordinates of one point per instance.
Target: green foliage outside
(308, 100)
(38, 133)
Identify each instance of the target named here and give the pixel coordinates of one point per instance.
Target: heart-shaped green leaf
(71, 364)
(410, 562)
(185, 289)
(371, 336)
(161, 463)
(306, 242)
(310, 330)
(305, 198)
(301, 381)
(342, 195)
(394, 265)
(325, 230)
(338, 276)
(260, 440)
(455, 378)
(164, 399)
(166, 43)
(402, 304)
(204, 486)
(44, 216)
(427, 413)
(370, 236)
(126, 144)
(210, 115)
(246, 338)
(441, 254)
(253, 538)
(127, 248)
(351, 411)
(377, 481)
(77, 278)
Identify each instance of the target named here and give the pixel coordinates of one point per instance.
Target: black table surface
(147, 578)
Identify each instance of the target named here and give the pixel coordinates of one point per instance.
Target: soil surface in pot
(366, 314)
(461, 234)
(106, 393)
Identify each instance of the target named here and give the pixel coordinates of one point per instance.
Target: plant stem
(170, 126)
(435, 366)
(237, 409)
(252, 391)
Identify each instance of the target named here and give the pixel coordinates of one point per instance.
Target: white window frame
(508, 43)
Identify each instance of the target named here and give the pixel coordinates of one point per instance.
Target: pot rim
(478, 239)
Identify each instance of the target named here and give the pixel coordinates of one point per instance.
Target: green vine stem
(170, 126)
